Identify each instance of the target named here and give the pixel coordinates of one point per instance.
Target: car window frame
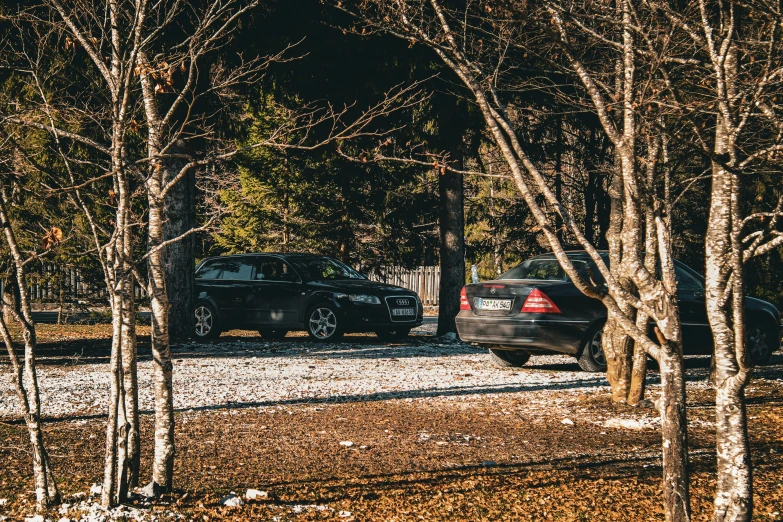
(691, 273)
(206, 263)
(362, 277)
(581, 270)
(243, 259)
(260, 259)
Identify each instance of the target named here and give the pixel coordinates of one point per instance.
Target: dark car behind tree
(276, 293)
(534, 308)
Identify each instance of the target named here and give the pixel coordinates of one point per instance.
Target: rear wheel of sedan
(393, 334)
(272, 334)
(760, 343)
(508, 358)
(323, 324)
(592, 358)
(207, 324)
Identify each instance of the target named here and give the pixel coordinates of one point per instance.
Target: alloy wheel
(203, 321)
(758, 345)
(596, 348)
(323, 323)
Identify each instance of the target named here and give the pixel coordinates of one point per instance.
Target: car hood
(359, 286)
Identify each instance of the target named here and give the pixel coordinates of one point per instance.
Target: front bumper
(370, 318)
(513, 332)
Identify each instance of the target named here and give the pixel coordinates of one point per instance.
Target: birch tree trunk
(122, 427)
(163, 460)
(724, 290)
(725, 295)
(25, 375)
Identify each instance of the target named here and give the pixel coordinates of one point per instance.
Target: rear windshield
(541, 269)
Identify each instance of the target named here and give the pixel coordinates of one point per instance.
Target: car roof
(571, 253)
(284, 255)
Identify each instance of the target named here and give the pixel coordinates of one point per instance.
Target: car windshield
(543, 269)
(318, 268)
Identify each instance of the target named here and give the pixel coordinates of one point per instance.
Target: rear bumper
(544, 335)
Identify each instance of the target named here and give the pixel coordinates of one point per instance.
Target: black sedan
(534, 308)
(277, 293)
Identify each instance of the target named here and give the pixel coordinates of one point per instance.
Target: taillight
(538, 303)
(464, 304)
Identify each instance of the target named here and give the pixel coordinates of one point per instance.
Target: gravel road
(248, 372)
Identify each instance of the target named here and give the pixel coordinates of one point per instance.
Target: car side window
(210, 270)
(271, 269)
(685, 281)
(236, 269)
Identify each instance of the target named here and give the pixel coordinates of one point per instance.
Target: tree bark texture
(16, 304)
(452, 249)
(163, 460)
(180, 256)
(734, 492)
(724, 290)
(674, 433)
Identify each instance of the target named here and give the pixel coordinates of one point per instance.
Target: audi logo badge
(404, 302)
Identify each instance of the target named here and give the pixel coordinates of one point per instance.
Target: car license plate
(494, 304)
(404, 311)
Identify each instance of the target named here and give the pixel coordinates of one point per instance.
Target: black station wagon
(276, 293)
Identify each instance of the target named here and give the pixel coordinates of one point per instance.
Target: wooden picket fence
(424, 280)
(52, 284)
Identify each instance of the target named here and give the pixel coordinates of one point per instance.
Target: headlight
(360, 298)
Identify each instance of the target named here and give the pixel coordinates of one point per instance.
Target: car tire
(272, 334)
(323, 323)
(508, 358)
(207, 323)
(760, 343)
(591, 357)
(393, 334)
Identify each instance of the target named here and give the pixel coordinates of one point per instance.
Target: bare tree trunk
(111, 458)
(26, 377)
(180, 256)
(452, 249)
(617, 345)
(497, 258)
(674, 433)
(163, 460)
(724, 290)
(130, 388)
(724, 295)
(559, 176)
(122, 428)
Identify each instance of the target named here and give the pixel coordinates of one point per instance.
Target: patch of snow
(255, 494)
(346, 443)
(643, 423)
(301, 508)
(567, 422)
(232, 500)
